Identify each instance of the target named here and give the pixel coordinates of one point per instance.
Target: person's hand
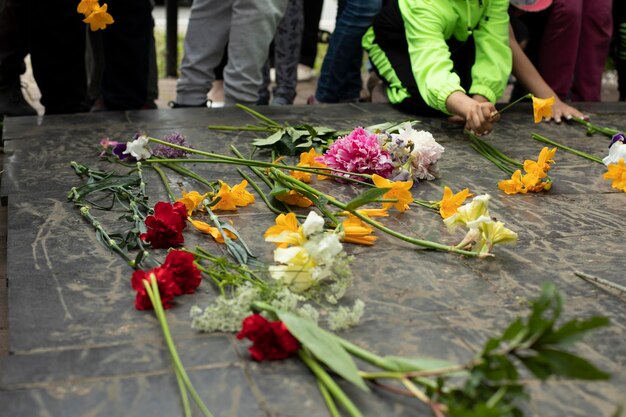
(561, 111)
(480, 117)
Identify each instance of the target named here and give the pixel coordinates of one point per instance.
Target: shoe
(280, 101)
(312, 100)
(175, 105)
(12, 101)
(306, 73)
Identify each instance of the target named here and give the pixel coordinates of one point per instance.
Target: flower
(618, 137)
(469, 213)
(542, 108)
(165, 227)
(165, 151)
(542, 165)
(138, 148)
(400, 190)
(184, 271)
(308, 159)
(617, 173)
(119, 150)
(414, 154)
(210, 230)
(494, 233)
(168, 289)
(358, 152)
(294, 198)
(617, 151)
(357, 231)
(450, 202)
(192, 201)
(295, 269)
(98, 18)
(271, 340)
(286, 232)
(231, 198)
(87, 6)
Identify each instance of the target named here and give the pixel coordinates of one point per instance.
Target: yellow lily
(192, 201)
(542, 108)
(231, 198)
(210, 230)
(99, 18)
(400, 190)
(357, 231)
(451, 202)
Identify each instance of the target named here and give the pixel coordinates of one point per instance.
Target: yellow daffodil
(231, 198)
(210, 230)
(400, 190)
(616, 173)
(451, 202)
(98, 18)
(87, 6)
(192, 201)
(357, 231)
(286, 232)
(542, 165)
(294, 198)
(542, 108)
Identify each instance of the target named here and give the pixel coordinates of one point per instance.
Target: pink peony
(358, 152)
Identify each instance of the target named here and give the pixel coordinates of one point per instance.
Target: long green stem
(543, 139)
(164, 180)
(592, 128)
(342, 206)
(152, 288)
(258, 115)
(183, 395)
(330, 403)
(241, 128)
(329, 383)
(515, 102)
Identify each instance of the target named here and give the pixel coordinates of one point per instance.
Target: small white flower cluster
(303, 266)
(483, 231)
(226, 313)
(414, 154)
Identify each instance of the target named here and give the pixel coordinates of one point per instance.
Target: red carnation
(186, 274)
(271, 339)
(165, 227)
(168, 289)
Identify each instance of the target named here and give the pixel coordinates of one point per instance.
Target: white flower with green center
(138, 148)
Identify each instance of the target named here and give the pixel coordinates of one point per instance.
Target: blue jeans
(340, 78)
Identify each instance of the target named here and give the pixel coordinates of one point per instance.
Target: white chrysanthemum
(617, 151)
(138, 148)
(417, 147)
(324, 249)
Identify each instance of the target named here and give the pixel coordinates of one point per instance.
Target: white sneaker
(306, 73)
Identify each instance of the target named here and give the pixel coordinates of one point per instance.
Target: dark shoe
(175, 105)
(13, 103)
(281, 101)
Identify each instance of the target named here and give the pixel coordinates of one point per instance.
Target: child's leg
(287, 53)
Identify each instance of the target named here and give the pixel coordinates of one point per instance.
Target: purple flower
(165, 151)
(618, 137)
(119, 149)
(358, 152)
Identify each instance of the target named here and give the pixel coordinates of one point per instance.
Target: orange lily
(542, 165)
(286, 231)
(98, 18)
(231, 198)
(357, 231)
(192, 200)
(451, 202)
(400, 190)
(542, 108)
(616, 173)
(210, 230)
(87, 6)
(294, 198)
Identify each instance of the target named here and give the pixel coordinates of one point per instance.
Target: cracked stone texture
(77, 347)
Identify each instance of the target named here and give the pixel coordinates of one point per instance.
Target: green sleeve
(493, 54)
(425, 26)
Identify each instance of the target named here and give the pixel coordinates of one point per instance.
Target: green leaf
(403, 364)
(572, 331)
(366, 197)
(278, 189)
(270, 140)
(296, 134)
(571, 366)
(324, 346)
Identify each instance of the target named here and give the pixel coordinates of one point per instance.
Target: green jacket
(428, 24)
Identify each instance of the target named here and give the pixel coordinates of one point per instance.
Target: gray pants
(247, 27)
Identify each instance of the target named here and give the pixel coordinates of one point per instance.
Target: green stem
(258, 115)
(543, 139)
(324, 378)
(241, 128)
(183, 395)
(152, 288)
(261, 193)
(106, 239)
(187, 172)
(592, 128)
(165, 181)
(494, 151)
(330, 403)
(515, 102)
(418, 242)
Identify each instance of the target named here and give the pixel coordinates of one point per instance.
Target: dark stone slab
(78, 347)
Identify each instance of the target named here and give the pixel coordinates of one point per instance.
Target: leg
(312, 14)
(247, 54)
(208, 20)
(560, 45)
(287, 53)
(619, 27)
(595, 39)
(340, 78)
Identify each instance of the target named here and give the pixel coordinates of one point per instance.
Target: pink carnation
(358, 152)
